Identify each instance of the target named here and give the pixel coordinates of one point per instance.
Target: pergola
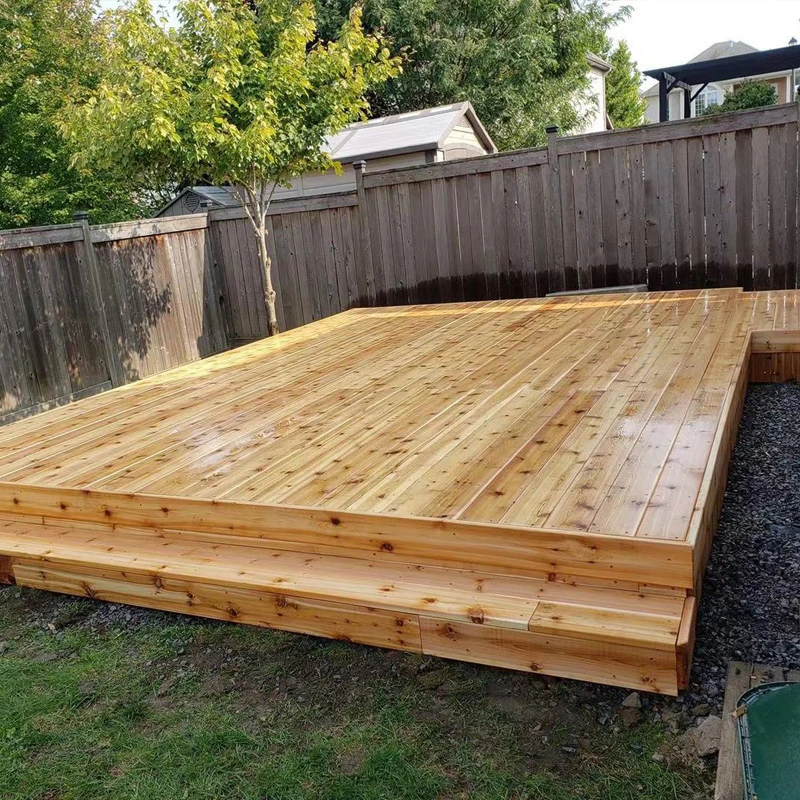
(701, 73)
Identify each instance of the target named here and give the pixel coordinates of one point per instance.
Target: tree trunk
(269, 289)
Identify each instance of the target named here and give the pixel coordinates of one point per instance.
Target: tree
(239, 94)
(624, 105)
(522, 63)
(51, 50)
(750, 94)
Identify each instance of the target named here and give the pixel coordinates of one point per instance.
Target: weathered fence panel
(83, 309)
(695, 203)
(318, 270)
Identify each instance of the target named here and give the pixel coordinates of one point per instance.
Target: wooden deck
(532, 484)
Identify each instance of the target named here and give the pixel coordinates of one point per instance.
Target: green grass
(179, 709)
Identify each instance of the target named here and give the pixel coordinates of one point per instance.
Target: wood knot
(449, 632)
(335, 521)
(387, 546)
(476, 615)
(107, 512)
(62, 506)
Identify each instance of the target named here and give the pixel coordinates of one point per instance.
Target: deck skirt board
(531, 484)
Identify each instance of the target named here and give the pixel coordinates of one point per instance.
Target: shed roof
(404, 133)
(218, 195)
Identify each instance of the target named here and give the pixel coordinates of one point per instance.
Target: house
(596, 117)
(402, 140)
(715, 91)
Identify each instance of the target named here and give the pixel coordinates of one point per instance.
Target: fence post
(114, 366)
(553, 221)
(366, 241)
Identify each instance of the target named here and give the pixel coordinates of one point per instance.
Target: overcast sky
(663, 33)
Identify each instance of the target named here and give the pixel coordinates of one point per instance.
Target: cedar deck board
(576, 442)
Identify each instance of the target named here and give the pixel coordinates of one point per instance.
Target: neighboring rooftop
(724, 50)
(718, 50)
(404, 133)
(599, 63)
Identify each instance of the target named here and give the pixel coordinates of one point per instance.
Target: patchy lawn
(102, 701)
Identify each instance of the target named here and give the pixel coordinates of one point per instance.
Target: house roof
(598, 63)
(724, 50)
(218, 195)
(726, 67)
(404, 133)
(717, 50)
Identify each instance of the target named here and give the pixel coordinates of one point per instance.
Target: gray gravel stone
(633, 700)
(748, 610)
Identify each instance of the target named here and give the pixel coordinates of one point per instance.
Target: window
(710, 96)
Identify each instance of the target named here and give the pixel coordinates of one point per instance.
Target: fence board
(777, 205)
(680, 194)
(622, 198)
(638, 214)
(760, 183)
(652, 219)
(584, 272)
(566, 234)
(594, 218)
(791, 205)
(727, 177)
(744, 209)
(666, 215)
(537, 185)
(697, 204)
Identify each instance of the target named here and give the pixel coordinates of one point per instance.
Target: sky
(663, 33)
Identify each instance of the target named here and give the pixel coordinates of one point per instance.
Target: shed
(435, 134)
(194, 199)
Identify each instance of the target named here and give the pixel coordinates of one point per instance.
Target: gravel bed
(750, 608)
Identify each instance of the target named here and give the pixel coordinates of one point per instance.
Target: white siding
(595, 107)
(462, 142)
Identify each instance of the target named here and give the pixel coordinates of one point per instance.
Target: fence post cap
(80, 216)
(551, 129)
(361, 166)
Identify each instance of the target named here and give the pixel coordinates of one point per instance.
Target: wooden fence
(83, 309)
(686, 204)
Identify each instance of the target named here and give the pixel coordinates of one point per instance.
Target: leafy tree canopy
(624, 105)
(522, 63)
(51, 51)
(239, 94)
(750, 94)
